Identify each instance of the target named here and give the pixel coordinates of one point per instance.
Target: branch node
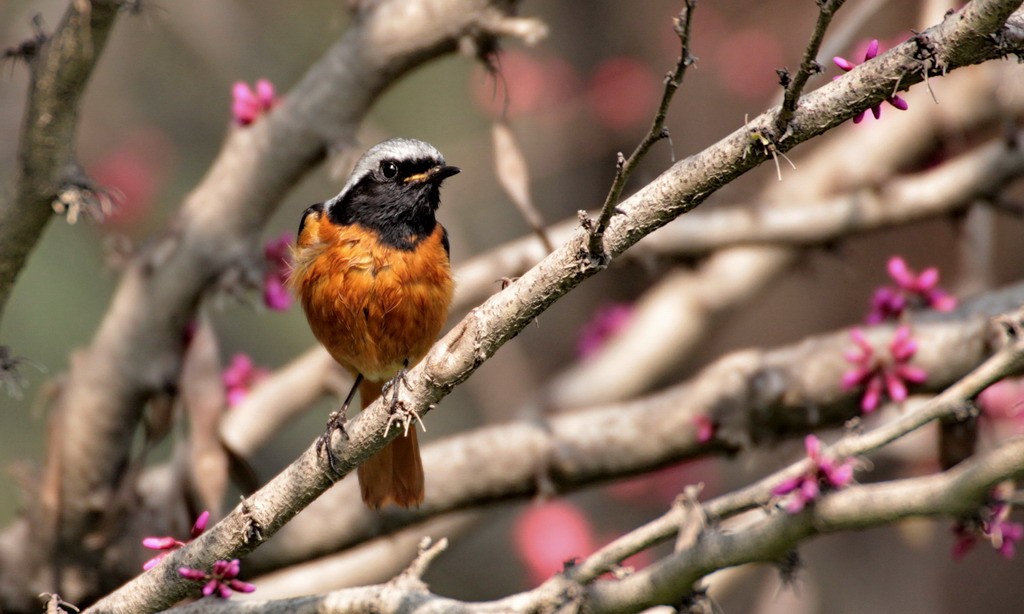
(428, 551)
(253, 528)
(80, 195)
(55, 605)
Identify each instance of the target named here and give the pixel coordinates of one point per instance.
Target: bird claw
(390, 387)
(336, 422)
(400, 414)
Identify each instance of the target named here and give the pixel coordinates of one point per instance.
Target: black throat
(402, 214)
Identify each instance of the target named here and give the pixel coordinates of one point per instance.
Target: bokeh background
(158, 107)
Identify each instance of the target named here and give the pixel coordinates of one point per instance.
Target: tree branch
(808, 65)
(624, 166)
(60, 70)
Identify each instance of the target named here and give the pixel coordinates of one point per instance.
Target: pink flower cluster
(876, 110)
(167, 544)
(890, 375)
(911, 290)
(247, 105)
(278, 255)
(823, 475)
(240, 376)
(996, 529)
(221, 580)
(877, 374)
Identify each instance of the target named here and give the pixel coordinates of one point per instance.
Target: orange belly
(371, 306)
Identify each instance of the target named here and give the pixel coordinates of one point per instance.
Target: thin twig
(624, 166)
(808, 65)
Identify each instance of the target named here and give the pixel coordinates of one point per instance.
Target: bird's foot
(336, 422)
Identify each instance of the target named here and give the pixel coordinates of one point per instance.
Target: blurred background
(158, 107)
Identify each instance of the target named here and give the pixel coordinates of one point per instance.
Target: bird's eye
(388, 169)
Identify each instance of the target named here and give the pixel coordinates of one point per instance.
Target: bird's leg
(336, 422)
(399, 413)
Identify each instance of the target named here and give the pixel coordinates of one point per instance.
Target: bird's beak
(436, 174)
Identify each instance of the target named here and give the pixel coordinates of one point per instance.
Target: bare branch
(952, 402)
(808, 66)
(624, 166)
(60, 69)
(276, 400)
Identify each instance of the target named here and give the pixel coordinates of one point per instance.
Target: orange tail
(394, 474)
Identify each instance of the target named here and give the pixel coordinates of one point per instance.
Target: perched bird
(371, 268)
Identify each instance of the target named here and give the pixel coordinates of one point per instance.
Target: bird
(371, 268)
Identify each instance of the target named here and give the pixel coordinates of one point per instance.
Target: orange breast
(371, 306)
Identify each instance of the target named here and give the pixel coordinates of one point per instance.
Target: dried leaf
(514, 177)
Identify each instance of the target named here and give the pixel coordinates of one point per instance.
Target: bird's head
(394, 189)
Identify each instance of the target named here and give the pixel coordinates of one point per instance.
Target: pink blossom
(877, 374)
(920, 289)
(278, 255)
(221, 580)
(876, 110)
(993, 526)
(167, 544)
(823, 474)
(608, 321)
(887, 303)
(549, 535)
(248, 105)
(240, 376)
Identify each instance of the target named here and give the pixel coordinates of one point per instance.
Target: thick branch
(46, 147)
(952, 402)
